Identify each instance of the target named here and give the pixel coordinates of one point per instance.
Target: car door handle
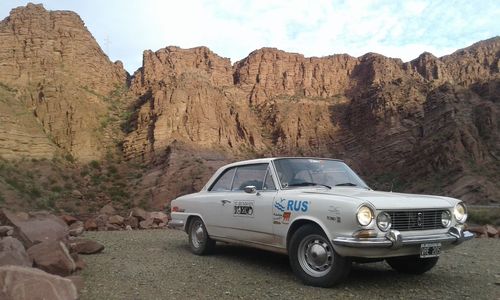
(225, 201)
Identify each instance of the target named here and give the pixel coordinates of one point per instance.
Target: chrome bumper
(176, 224)
(393, 239)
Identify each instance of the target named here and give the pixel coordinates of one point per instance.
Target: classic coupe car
(320, 213)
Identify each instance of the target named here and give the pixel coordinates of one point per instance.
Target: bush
(95, 165)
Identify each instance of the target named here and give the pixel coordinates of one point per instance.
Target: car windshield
(300, 172)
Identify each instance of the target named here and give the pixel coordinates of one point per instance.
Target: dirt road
(157, 264)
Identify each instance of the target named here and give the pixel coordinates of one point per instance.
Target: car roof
(269, 159)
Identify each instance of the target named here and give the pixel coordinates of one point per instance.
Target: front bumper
(394, 240)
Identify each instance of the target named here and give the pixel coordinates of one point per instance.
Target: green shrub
(95, 165)
(34, 193)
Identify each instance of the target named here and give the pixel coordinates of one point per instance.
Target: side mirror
(251, 189)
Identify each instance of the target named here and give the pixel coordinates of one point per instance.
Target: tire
(412, 264)
(199, 240)
(313, 259)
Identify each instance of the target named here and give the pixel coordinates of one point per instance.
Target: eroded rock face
(53, 71)
(21, 283)
(431, 119)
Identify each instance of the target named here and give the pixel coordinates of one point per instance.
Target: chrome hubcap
(315, 256)
(197, 234)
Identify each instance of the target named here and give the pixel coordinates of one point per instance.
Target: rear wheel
(199, 241)
(412, 264)
(314, 260)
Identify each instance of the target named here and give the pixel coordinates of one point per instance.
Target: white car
(320, 213)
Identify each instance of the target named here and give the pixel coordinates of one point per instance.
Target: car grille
(416, 220)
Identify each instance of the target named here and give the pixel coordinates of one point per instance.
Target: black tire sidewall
(340, 268)
(206, 245)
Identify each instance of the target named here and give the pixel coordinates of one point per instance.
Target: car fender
(311, 219)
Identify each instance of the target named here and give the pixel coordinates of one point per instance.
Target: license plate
(430, 250)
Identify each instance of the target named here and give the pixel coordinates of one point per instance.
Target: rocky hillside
(55, 74)
(430, 125)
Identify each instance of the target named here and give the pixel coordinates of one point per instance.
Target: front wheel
(412, 264)
(199, 241)
(314, 260)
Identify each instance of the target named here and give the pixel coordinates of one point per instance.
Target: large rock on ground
(90, 225)
(6, 230)
(77, 228)
(139, 213)
(116, 219)
(21, 283)
(69, 219)
(84, 246)
(108, 209)
(12, 252)
(131, 221)
(158, 217)
(52, 257)
(36, 227)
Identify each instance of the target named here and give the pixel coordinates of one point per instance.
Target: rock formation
(429, 125)
(59, 81)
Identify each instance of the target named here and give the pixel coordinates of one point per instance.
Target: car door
(251, 219)
(218, 205)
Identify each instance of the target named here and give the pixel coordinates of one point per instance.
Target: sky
(234, 28)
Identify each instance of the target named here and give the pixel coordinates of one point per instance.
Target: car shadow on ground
(377, 274)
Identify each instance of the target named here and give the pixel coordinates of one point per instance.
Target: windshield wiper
(305, 183)
(346, 184)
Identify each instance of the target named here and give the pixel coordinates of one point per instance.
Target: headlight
(460, 212)
(445, 218)
(364, 215)
(384, 221)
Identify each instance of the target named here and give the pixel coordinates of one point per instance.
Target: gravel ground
(157, 264)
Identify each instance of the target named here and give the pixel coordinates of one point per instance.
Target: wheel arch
(301, 221)
(190, 218)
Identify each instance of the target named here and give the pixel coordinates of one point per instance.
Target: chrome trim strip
(395, 240)
(176, 224)
(251, 244)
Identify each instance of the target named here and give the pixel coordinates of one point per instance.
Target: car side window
(249, 175)
(268, 182)
(224, 181)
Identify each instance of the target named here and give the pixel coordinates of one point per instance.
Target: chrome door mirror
(251, 189)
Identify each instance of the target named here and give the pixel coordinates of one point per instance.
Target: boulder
(6, 230)
(101, 221)
(116, 219)
(35, 228)
(77, 281)
(69, 219)
(491, 231)
(112, 227)
(479, 231)
(12, 252)
(90, 225)
(79, 262)
(128, 227)
(107, 209)
(146, 224)
(139, 213)
(77, 194)
(158, 217)
(131, 221)
(52, 257)
(77, 228)
(85, 246)
(22, 283)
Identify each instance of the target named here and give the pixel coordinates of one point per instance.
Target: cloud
(233, 29)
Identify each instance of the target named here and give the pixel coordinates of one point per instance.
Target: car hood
(388, 200)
